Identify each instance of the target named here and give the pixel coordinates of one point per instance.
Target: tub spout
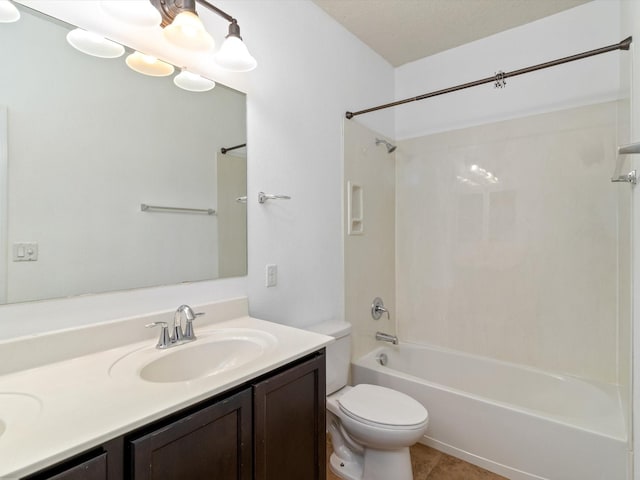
(385, 337)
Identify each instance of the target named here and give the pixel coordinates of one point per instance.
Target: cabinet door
(289, 423)
(212, 443)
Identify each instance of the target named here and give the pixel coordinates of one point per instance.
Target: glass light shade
(234, 56)
(193, 82)
(8, 12)
(148, 65)
(134, 12)
(187, 31)
(93, 44)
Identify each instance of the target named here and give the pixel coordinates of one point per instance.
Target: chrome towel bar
(629, 149)
(631, 177)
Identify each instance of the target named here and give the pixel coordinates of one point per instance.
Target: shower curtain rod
(228, 149)
(499, 78)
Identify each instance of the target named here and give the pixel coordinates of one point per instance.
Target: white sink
(17, 409)
(213, 353)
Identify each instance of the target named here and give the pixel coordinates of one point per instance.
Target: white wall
(589, 26)
(310, 72)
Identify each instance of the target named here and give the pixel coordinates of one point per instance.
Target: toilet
(371, 427)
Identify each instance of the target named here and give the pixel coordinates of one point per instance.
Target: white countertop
(54, 411)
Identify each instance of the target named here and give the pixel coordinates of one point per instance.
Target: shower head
(390, 148)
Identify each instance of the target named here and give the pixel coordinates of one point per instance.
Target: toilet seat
(383, 407)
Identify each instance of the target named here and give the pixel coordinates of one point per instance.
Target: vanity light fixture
(8, 12)
(234, 55)
(134, 12)
(94, 44)
(148, 65)
(193, 82)
(184, 28)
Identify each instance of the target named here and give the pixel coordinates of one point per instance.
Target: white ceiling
(402, 31)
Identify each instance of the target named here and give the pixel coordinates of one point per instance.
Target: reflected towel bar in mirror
(146, 208)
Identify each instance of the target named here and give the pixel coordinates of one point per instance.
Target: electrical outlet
(271, 275)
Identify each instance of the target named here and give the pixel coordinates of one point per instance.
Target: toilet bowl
(371, 427)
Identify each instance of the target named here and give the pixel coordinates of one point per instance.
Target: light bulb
(148, 65)
(133, 12)
(8, 12)
(234, 55)
(94, 44)
(193, 82)
(187, 31)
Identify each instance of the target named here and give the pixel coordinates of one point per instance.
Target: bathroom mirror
(84, 142)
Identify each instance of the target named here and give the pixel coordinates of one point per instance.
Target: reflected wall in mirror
(86, 142)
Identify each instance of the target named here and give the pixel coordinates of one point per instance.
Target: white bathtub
(516, 421)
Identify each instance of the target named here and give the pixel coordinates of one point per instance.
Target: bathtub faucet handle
(377, 309)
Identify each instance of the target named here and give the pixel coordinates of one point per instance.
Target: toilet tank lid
(333, 328)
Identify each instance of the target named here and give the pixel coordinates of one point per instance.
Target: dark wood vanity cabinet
(272, 427)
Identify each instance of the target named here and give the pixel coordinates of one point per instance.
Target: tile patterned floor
(430, 464)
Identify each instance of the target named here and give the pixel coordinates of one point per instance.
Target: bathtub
(516, 421)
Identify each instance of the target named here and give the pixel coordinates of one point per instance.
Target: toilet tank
(338, 352)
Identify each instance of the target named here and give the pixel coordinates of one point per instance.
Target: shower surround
(509, 238)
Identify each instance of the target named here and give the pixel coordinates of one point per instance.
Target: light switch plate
(25, 252)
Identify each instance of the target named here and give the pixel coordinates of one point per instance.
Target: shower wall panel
(507, 241)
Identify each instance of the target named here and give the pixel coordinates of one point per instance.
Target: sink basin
(211, 354)
(17, 409)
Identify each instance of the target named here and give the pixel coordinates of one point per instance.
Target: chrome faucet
(385, 337)
(186, 335)
(175, 335)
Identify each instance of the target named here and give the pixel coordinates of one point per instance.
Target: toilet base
(375, 465)
(345, 469)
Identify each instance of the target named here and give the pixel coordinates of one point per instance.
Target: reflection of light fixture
(134, 12)
(466, 181)
(486, 175)
(149, 65)
(193, 82)
(184, 28)
(234, 55)
(8, 12)
(93, 44)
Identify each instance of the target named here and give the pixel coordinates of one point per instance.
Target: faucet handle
(164, 340)
(189, 334)
(378, 308)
